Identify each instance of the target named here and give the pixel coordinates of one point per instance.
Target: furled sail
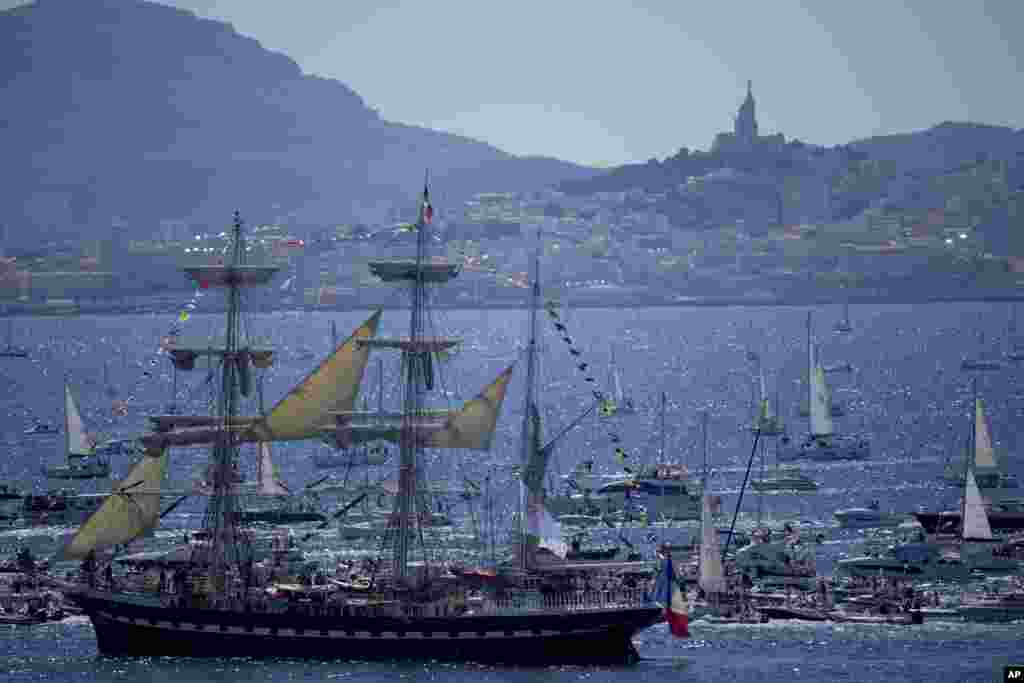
(78, 443)
(132, 509)
(984, 454)
(712, 575)
(976, 526)
(333, 386)
(821, 417)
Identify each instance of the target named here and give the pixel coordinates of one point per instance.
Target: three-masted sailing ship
(410, 603)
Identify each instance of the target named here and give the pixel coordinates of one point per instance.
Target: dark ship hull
(588, 637)
(937, 522)
(280, 516)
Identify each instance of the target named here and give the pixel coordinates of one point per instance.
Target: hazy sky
(608, 81)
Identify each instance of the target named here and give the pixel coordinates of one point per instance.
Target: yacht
(83, 459)
(40, 428)
(662, 490)
(993, 607)
(1004, 516)
(918, 560)
(785, 479)
(867, 517)
(822, 443)
(786, 558)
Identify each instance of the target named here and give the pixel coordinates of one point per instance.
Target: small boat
(980, 364)
(1004, 513)
(912, 617)
(837, 367)
(785, 479)
(40, 428)
(620, 402)
(822, 443)
(867, 517)
(83, 461)
(581, 520)
(993, 607)
(10, 350)
(785, 558)
(793, 612)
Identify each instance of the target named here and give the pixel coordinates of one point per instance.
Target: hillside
(131, 109)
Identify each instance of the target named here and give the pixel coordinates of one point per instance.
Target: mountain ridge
(137, 111)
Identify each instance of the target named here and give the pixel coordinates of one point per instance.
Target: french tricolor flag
(667, 593)
(428, 210)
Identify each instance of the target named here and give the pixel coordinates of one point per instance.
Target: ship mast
(228, 547)
(416, 365)
(412, 509)
(527, 441)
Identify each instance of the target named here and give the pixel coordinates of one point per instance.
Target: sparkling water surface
(906, 393)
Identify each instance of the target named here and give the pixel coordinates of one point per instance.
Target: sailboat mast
(380, 386)
(704, 438)
(810, 375)
(528, 401)
(67, 424)
(661, 449)
(972, 436)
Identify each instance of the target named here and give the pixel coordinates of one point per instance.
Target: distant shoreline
(578, 302)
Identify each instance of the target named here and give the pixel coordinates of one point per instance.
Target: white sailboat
(988, 472)
(620, 403)
(977, 545)
(712, 573)
(822, 442)
(766, 420)
(79, 448)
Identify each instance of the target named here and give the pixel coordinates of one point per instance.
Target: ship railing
(573, 601)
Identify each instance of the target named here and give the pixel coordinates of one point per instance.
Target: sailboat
(929, 561)
(286, 507)
(822, 443)
(84, 460)
(835, 409)
(766, 421)
(663, 489)
(408, 604)
(784, 478)
(620, 403)
(988, 474)
(980, 362)
(10, 350)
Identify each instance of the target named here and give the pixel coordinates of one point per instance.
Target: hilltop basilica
(744, 140)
